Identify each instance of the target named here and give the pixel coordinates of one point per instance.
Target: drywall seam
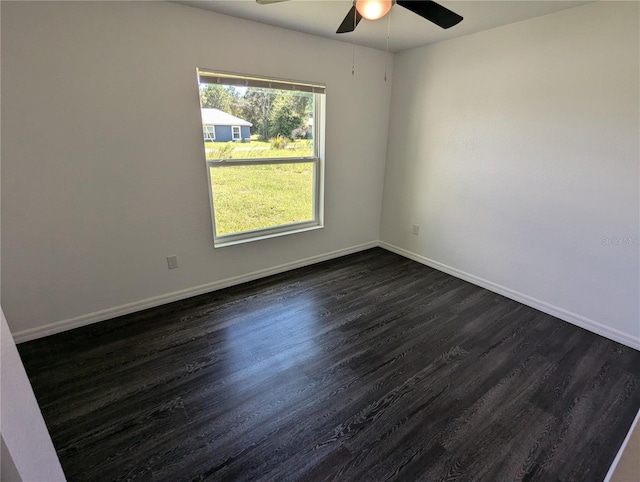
(562, 314)
(95, 317)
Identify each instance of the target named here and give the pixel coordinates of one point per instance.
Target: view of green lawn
(272, 124)
(256, 150)
(255, 197)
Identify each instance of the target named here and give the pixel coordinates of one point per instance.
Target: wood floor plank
(367, 367)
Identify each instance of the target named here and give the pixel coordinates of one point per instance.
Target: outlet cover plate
(172, 262)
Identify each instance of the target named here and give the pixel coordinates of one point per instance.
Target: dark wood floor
(368, 367)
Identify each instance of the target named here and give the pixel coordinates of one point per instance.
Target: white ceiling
(408, 30)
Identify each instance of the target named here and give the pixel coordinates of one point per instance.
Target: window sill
(223, 243)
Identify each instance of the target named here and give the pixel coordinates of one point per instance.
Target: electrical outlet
(415, 229)
(172, 262)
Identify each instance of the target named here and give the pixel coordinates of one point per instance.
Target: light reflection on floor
(264, 342)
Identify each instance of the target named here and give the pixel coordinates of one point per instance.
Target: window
(209, 133)
(271, 183)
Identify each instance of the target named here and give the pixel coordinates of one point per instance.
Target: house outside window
(266, 174)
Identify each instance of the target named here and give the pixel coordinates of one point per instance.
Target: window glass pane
(250, 197)
(270, 135)
(280, 123)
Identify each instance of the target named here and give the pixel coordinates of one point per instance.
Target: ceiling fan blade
(432, 11)
(267, 2)
(350, 22)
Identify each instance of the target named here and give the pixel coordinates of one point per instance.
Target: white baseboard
(612, 469)
(573, 318)
(83, 320)
(582, 322)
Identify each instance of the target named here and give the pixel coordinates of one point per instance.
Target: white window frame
(211, 134)
(233, 137)
(317, 159)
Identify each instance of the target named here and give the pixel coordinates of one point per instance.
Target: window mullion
(261, 162)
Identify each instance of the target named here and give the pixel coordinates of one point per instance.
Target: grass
(246, 198)
(256, 150)
(254, 197)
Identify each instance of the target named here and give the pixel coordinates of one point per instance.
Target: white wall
(103, 172)
(516, 151)
(26, 451)
(29, 454)
(8, 470)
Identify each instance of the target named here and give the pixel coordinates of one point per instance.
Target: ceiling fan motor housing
(373, 9)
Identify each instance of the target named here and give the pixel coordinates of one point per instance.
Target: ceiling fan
(375, 9)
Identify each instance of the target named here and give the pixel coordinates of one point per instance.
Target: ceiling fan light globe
(373, 9)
